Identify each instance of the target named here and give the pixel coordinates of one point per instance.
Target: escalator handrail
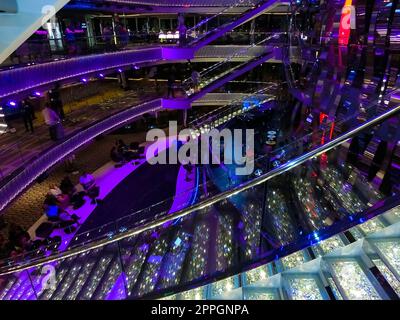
(238, 53)
(196, 42)
(206, 203)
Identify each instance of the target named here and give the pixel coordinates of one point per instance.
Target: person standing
(182, 30)
(56, 102)
(70, 39)
(107, 35)
(153, 74)
(196, 78)
(52, 120)
(27, 115)
(171, 83)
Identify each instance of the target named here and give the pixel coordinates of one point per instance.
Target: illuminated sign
(347, 22)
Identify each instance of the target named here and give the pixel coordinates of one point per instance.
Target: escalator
(199, 36)
(221, 73)
(227, 66)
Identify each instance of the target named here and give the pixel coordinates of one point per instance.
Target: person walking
(107, 35)
(171, 84)
(52, 120)
(196, 78)
(182, 30)
(27, 115)
(56, 102)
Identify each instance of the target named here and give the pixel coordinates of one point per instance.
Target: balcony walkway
(20, 147)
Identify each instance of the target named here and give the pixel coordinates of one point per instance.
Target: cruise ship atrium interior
(199, 150)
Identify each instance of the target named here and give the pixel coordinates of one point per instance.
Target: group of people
(18, 242)
(120, 38)
(55, 207)
(60, 198)
(53, 114)
(121, 153)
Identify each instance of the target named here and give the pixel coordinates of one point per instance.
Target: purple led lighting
(17, 80)
(12, 103)
(190, 3)
(84, 80)
(37, 94)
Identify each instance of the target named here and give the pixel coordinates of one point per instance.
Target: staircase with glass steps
(362, 263)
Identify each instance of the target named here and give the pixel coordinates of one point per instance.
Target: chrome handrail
(206, 203)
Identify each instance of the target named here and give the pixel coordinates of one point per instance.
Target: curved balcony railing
(49, 157)
(24, 79)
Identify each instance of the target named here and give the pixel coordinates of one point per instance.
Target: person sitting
(87, 181)
(116, 157)
(14, 232)
(125, 151)
(55, 191)
(4, 248)
(51, 208)
(22, 246)
(70, 196)
(134, 146)
(67, 187)
(57, 215)
(89, 185)
(121, 146)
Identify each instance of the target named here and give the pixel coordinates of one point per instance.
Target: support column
(122, 80)
(185, 118)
